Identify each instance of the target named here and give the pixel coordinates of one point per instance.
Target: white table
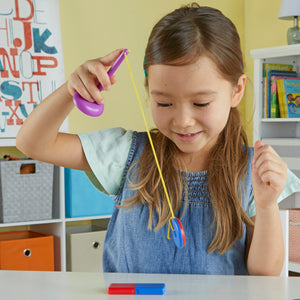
(18, 285)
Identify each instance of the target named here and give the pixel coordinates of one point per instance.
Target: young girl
(224, 192)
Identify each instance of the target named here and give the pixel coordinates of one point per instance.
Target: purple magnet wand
(94, 109)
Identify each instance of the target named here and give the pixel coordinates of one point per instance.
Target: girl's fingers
(267, 159)
(99, 68)
(90, 83)
(110, 58)
(268, 165)
(76, 84)
(266, 171)
(113, 79)
(270, 162)
(264, 153)
(276, 180)
(87, 77)
(100, 72)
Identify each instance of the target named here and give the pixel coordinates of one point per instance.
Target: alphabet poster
(31, 59)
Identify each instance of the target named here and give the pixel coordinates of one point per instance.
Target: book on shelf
(267, 67)
(272, 73)
(289, 97)
(274, 103)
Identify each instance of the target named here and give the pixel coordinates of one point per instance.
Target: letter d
(31, 9)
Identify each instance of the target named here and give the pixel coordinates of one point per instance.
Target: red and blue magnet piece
(94, 109)
(177, 233)
(137, 289)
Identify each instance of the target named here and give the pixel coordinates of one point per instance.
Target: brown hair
(180, 38)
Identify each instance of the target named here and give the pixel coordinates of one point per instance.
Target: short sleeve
(106, 152)
(292, 185)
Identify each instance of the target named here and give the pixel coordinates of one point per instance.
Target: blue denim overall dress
(131, 247)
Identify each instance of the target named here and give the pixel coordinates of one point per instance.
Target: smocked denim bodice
(131, 247)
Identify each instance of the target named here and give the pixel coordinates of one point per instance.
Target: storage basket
(294, 235)
(26, 251)
(84, 251)
(25, 197)
(83, 198)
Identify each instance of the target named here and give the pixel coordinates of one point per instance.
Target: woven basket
(25, 197)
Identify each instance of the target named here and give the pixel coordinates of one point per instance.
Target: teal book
(289, 97)
(270, 74)
(267, 67)
(275, 105)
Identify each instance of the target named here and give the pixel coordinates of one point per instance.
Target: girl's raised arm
(39, 136)
(269, 174)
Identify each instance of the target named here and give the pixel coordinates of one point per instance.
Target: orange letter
(18, 17)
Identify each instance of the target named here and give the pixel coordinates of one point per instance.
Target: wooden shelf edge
(279, 51)
(28, 223)
(87, 218)
(280, 120)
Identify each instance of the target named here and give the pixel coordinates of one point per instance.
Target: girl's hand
(269, 174)
(87, 77)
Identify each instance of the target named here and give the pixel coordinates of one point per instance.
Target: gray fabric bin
(25, 197)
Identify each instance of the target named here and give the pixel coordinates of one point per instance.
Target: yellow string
(152, 146)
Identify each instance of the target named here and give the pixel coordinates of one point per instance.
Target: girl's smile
(188, 137)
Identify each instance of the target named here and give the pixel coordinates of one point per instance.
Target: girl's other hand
(87, 77)
(269, 174)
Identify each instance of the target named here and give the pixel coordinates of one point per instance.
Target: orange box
(294, 235)
(26, 251)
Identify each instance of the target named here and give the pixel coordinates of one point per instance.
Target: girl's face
(190, 104)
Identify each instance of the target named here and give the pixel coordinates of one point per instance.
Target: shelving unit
(59, 224)
(282, 134)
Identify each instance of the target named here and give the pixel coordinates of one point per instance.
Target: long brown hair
(180, 38)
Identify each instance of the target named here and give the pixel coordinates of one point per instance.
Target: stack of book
(281, 91)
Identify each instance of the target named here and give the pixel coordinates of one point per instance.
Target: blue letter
(39, 41)
(9, 88)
